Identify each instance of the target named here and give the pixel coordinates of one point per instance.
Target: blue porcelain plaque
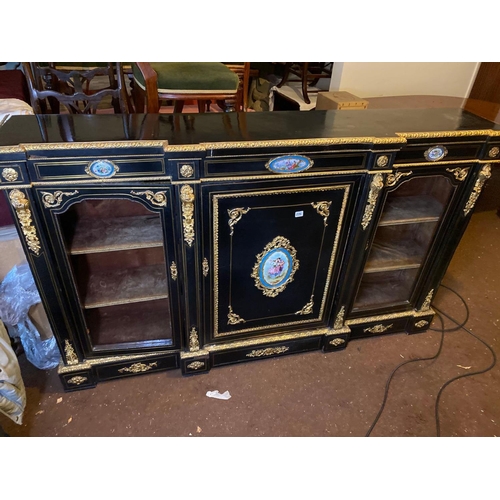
(101, 169)
(435, 153)
(289, 164)
(275, 267)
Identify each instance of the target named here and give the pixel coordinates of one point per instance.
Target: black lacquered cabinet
(203, 240)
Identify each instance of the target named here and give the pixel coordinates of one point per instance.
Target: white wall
(414, 78)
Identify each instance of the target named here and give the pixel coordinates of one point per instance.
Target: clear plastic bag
(17, 294)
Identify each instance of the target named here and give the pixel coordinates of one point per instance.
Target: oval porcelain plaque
(435, 153)
(289, 164)
(275, 268)
(101, 169)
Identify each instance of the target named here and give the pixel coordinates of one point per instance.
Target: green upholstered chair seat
(191, 78)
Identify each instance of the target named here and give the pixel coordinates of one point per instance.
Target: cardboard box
(339, 100)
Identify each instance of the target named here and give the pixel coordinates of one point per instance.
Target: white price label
(300, 213)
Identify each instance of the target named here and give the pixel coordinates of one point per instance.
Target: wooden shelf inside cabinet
(405, 254)
(385, 288)
(115, 234)
(147, 323)
(411, 209)
(124, 286)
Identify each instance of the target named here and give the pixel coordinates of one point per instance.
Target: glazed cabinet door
(414, 215)
(272, 251)
(115, 253)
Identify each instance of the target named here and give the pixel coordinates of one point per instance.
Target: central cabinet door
(114, 247)
(275, 250)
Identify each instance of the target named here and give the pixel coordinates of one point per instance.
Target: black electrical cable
(446, 384)
(386, 393)
(467, 312)
(442, 330)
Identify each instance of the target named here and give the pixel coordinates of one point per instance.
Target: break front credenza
(192, 241)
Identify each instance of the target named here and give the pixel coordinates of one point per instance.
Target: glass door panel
(116, 253)
(406, 230)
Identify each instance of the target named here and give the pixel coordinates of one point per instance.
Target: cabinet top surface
(186, 129)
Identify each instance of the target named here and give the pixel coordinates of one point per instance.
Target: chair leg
(286, 74)
(138, 99)
(178, 106)
(305, 68)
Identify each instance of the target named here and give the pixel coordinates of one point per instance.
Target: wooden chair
(50, 86)
(308, 74)
(179, 82)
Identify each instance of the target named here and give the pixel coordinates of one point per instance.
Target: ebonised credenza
(192, 241)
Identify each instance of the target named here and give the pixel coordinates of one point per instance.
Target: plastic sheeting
(17, 294)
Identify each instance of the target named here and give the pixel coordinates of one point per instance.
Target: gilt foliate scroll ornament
(77, 380)
(195, 365)
(101, 169)
(459, 173)
(138, 368)
(21, 205)
(10, 174)
(187, 205)
(269, 351)
(235, 214)
(427, 302)
(382, 161)
(173, 270)
(52, 200)
(275, 267)
(205, 267)
(71, 357)
(375, 188)
(233, 318)
(484, 175)
(194, 343)
(339, 320)
(158, 199)
(187, 171)
(378, 328)
(323, 209)
(308, 308)
(392, 179)
(421, 323)
(336, 342)
(493, 152)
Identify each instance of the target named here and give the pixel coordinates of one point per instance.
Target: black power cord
(446, 384)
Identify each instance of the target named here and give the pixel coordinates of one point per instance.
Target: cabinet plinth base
(88, 373)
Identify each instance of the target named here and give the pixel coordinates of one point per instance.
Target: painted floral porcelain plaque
(101, 169)
(275, 267)
(289, 164)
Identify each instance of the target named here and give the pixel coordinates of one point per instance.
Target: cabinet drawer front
(263, 351)
(137, 367)
(260, 166)
(78, 380)
(88, 169)
(371, 328)
(437, 152)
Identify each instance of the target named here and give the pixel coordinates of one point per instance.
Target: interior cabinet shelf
(145, 323)
(411, 209)
(384, 288)
(115, 234)
(125, 286)
(406, 254)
